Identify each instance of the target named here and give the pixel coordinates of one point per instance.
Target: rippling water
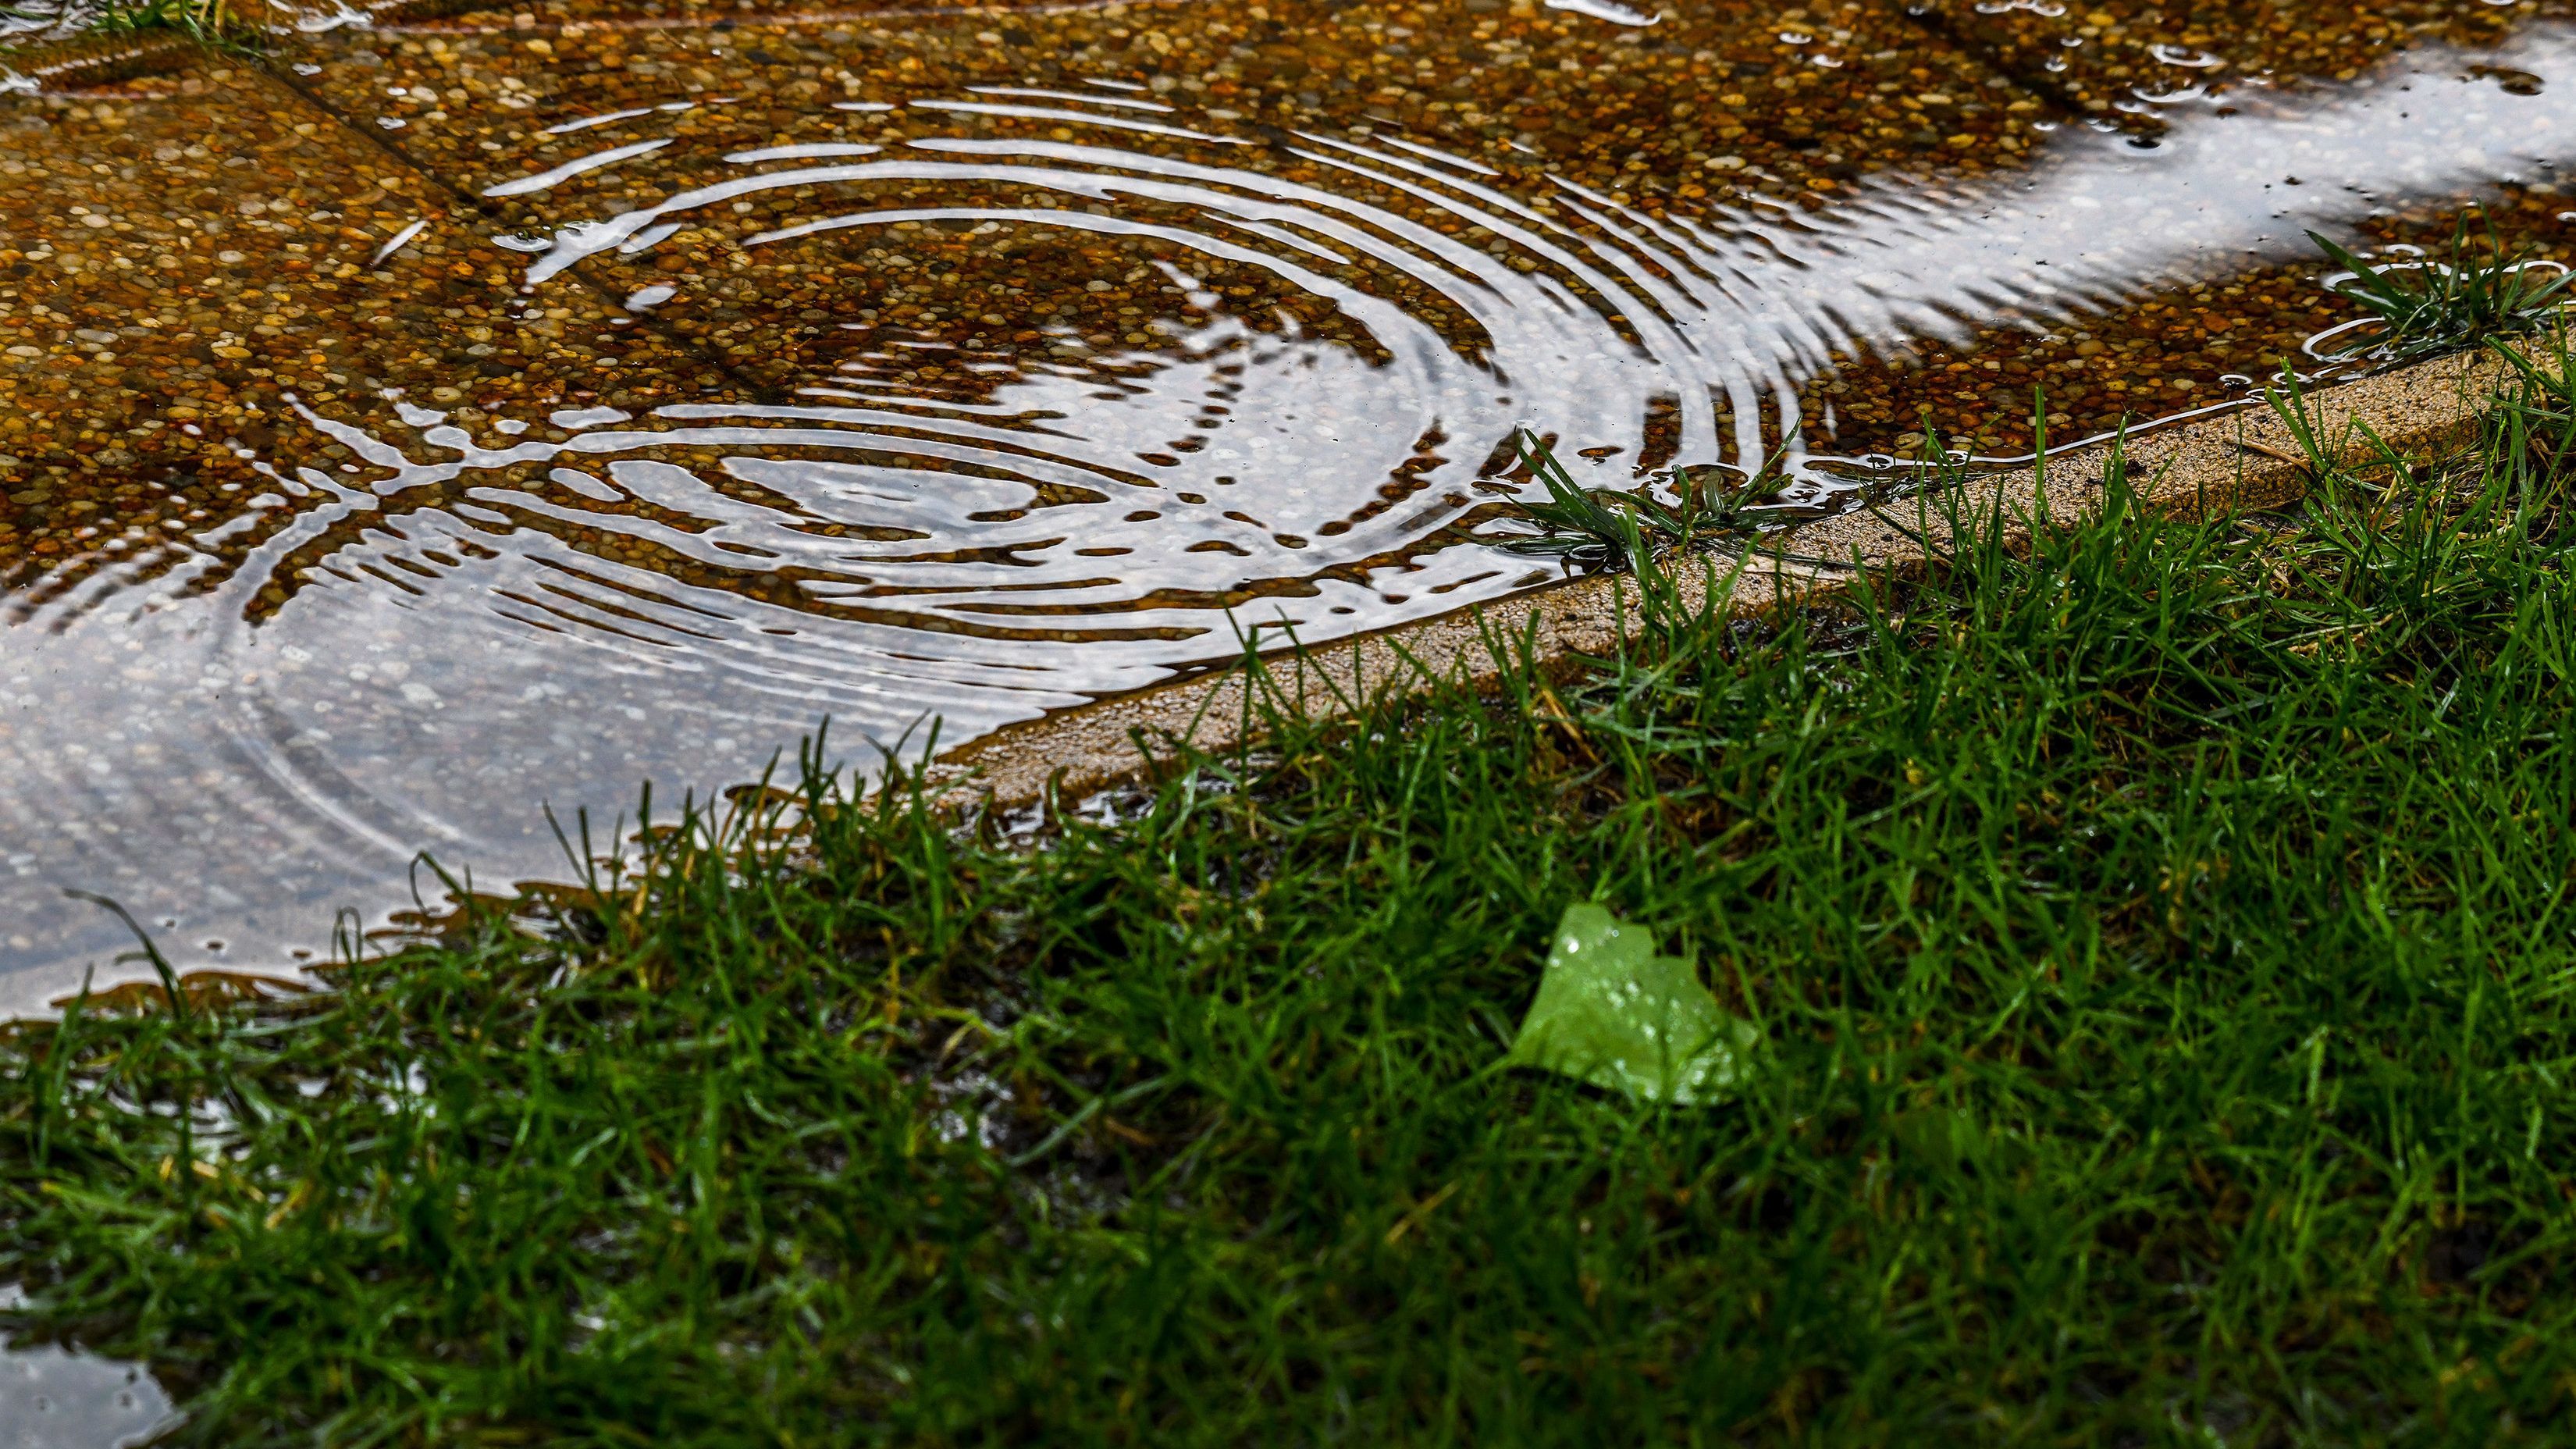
(481, 623)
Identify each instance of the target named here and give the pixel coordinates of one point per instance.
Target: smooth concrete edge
(2250, 458)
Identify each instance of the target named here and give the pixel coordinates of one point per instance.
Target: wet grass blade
(2155, 934)
(1612, 529)
(2427, 307)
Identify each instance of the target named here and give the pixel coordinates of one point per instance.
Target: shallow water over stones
(596, 403)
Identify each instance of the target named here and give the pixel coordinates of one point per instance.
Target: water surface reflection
(52, 1397)
(1281, 408)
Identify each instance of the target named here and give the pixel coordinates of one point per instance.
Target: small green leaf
(1613, 1013)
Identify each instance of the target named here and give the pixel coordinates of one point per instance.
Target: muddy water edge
(430, 424)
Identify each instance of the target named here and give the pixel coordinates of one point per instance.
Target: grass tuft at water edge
(2157, 937)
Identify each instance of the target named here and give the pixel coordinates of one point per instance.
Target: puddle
(56, 1398)
(1255, 381)
(2126, 62)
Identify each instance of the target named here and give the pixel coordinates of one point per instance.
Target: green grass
(2160, 947)
(2418, 308)
(212, 22)
(1602, 528)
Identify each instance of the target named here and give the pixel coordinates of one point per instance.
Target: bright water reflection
(484, 624)
(55, 1398)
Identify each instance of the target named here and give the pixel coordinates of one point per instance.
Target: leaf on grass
(1613, 1013)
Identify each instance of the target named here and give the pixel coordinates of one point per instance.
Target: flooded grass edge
(1011, 1106)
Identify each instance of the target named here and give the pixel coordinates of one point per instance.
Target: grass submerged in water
(2160, 946)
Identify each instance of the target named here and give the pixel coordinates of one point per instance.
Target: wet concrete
(2242, 460)
(445, 419)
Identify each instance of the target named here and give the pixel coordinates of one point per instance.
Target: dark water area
(438, 426)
